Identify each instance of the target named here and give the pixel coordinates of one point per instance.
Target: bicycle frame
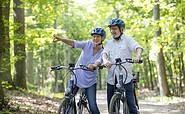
(70, 108)
(120, 92)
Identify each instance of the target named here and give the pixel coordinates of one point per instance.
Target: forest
(27, 51)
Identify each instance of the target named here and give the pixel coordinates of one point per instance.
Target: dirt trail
(26, 103)
(145, 107)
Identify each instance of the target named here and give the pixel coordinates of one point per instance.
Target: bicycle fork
(83, 101)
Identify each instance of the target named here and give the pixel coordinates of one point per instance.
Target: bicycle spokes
(83, 106)
(117, 107)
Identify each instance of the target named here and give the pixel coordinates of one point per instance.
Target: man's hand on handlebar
(136, 59)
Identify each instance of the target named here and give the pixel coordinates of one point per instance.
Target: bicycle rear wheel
(66, 108)
(136, 98)
(115, 105)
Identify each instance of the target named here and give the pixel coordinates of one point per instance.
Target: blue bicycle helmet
(117, 22)
(98, 31)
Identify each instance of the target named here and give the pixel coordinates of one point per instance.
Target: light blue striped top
(86, 79)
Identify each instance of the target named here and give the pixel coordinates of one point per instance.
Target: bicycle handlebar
(119, 62)
(131, 61)
(70, 67)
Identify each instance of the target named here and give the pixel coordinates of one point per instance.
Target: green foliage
(5, 112)
(6, 85)
(75, 20)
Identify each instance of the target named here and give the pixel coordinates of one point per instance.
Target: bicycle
(69, 106)
(120, 92)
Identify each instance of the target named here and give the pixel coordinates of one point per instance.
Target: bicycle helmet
(98, 31)
(117, 22)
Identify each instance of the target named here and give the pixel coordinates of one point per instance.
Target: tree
(6, 71)
(2, 50)
(163, 84)
(19, 45)
(29, 56)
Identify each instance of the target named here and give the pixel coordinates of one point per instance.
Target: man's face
(115, 32)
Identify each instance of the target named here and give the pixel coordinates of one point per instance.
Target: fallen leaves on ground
(22, 102)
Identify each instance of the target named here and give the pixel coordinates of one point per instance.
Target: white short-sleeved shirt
(123, 49)
(84, 78)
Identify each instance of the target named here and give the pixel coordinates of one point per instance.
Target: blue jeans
(129, 95)
(91, 97)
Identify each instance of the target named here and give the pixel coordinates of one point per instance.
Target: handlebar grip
(130, 60)
(101, 66)
(140, 61)
(94, 68)
(55, 67)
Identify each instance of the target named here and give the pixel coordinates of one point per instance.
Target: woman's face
(115, 32)
(97, 39)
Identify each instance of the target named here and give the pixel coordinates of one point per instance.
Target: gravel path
(26, 103)
(145, 107)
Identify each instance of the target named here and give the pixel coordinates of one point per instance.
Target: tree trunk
(183, 68)
(175, 73)
(56, 72)
(99, 78)
(150, 76)
(19, 45)
(54, 60)
(146, 80)
(42, 68)
(170, 73)
(163, 84)
(29, 56)
(2, 50)
(29, 67)
(154, 71)
(6, 72)
(180, 76)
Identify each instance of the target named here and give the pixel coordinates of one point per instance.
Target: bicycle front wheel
(81, 109)
(116, 104)
(66, 108)
(125, 107)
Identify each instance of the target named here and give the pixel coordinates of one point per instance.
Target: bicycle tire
(125, 107)
(65, 108)
(115, 105)
(136, 98)
(81, 109)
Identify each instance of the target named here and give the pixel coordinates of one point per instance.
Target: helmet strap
(101, 42)
(119, 37)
